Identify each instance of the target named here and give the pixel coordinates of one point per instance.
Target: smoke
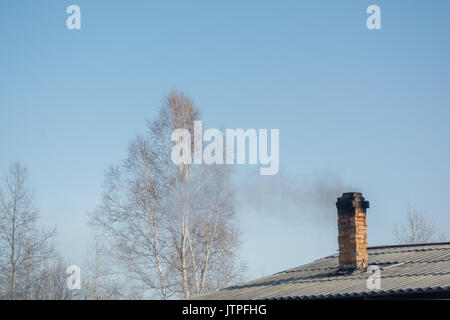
(290, 197)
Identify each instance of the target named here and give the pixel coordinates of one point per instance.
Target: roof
(415, 268)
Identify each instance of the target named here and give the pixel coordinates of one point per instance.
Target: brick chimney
(352, 226)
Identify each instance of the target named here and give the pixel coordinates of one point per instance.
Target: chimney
(352, 227)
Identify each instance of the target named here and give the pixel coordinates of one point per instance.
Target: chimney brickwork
(352, 227)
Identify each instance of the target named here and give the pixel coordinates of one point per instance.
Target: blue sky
(370, 106)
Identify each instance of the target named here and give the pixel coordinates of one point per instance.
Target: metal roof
(415, 268)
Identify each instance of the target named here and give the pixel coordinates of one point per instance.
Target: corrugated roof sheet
(404, 269)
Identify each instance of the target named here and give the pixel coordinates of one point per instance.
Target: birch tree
(50, 283)
(99, 280)
(171, 226)
(417, 228)
(24, 247)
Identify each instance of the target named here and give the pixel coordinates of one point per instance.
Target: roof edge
(363, 294)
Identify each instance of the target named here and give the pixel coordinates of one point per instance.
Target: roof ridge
(410, 245)
(389, 263)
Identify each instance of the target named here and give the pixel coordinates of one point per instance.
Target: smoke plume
(308, 198)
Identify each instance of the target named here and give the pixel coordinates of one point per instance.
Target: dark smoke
(311, 198)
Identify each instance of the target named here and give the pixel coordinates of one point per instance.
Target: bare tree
(201, 231)
(418, 228)
(171, 226)
(99, 281)
(51, 282)
(24, 247)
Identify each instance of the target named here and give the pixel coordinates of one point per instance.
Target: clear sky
(371, 107)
